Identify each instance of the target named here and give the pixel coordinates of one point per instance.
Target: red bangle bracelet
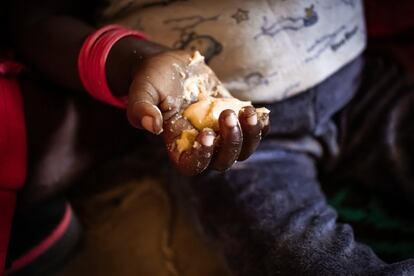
(92, 62)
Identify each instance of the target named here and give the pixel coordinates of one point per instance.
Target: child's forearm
(49, 36)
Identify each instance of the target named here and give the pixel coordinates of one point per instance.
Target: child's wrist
(92, 62)
(125, 58)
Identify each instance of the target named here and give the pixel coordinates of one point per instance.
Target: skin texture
(47, 35)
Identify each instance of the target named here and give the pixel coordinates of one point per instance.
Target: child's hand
(164, 86)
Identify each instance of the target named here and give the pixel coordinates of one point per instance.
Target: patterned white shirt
(263, 51)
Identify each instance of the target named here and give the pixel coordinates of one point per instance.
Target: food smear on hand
(207, 98)
(186, 140)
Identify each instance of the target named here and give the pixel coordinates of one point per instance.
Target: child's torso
(261, 50)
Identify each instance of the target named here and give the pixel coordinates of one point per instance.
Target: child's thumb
(143, 113)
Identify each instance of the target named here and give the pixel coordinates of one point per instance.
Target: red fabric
(13, 153)
(385, 18)
(92, 61)
(12, 136)
(7, 204)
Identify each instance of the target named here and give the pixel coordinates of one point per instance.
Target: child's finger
(174, 126)
(142, 109)
(231, 139)
(251, 131)
(197, 159)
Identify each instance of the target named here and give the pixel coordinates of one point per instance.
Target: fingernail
(252, 120)
(231, 120)
(158, 126)
(207, 140)
(147, 122)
